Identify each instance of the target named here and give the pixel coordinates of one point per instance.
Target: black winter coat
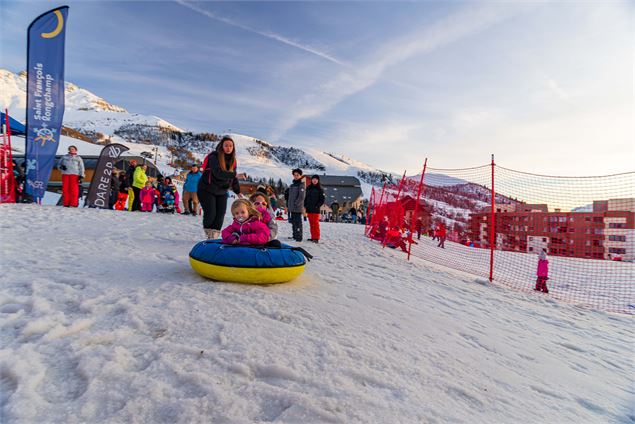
(123, 183)
(130, 175)
(314, 198)
(216, 181)
(115, 184)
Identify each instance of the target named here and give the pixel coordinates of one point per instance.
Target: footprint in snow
(63, 381)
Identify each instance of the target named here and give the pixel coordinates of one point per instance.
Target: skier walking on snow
(442, 232)
(542, 272)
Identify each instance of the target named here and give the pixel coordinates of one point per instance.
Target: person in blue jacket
(190, 189)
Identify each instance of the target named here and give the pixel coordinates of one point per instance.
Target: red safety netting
(386, 223)
(570, 237)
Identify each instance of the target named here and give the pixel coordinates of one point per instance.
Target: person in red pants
(72, 167)
(313, 200)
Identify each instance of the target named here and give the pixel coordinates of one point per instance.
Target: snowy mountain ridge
(85, 111)
(101, 120)
(14, 95)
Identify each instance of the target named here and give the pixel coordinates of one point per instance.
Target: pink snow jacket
(147, 195)
(250, 232)
(270, 223)
(543, 268)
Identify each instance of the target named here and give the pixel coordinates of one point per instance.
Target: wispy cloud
(351, 81)
(556, 89)
(268, 34)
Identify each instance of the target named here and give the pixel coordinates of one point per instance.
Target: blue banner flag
(45, 97)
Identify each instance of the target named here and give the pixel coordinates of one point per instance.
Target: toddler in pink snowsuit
(542, 272)
(247, 228)
(147, 197)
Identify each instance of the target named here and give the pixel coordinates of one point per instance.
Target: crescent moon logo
(58, 28)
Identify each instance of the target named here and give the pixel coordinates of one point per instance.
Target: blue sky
(547, 87)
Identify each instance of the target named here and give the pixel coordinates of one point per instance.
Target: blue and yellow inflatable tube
(246, 264)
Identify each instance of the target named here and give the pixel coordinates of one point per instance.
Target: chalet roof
(341, 194)
(339, 181)
(342, 189)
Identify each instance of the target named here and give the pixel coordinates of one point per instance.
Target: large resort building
(607, 231)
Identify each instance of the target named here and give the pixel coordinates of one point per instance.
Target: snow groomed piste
(247, 264)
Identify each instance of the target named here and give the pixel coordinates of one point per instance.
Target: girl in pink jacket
(147, 197)
(542, 272)
(247, 228)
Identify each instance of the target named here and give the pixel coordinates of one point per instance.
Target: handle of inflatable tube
(306, 254)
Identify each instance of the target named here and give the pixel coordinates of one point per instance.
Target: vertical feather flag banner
(45, 97)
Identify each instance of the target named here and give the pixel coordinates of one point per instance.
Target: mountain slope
(98, 119)
(84, 112)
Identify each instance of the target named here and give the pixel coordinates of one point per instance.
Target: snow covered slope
(102, 320)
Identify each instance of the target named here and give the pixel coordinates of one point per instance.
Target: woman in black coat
(219, 175)
(313, 200)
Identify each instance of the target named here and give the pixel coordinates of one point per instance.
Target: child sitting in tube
(247, 229)
(259, 200)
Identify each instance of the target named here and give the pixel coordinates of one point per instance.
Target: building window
(617, 225)
(531, 249)
(544, 239)
(617, 238)
(617, 250)
(598, 219)
(531, 239)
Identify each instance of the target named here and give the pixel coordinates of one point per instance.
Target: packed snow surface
(102, 320)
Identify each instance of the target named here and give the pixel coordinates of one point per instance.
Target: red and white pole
(414, 216)
(492, 228)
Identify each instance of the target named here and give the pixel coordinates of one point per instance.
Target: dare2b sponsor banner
(99, 191)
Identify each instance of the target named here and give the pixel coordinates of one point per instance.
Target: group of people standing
(219, 176)
(303, 199)
(208, 186)
(133, 190)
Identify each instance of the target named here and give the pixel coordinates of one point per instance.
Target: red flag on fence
(7, 179)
